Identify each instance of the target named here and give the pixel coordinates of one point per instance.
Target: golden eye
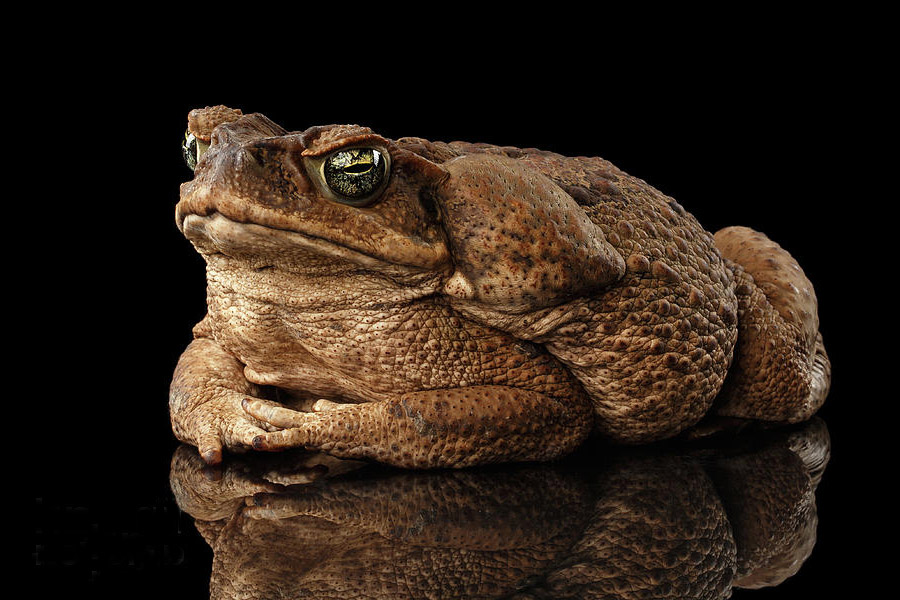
(355, 175)
(192, 149)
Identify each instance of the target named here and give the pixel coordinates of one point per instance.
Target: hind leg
(780, 371)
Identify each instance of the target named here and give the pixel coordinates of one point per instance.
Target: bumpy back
(652, 349)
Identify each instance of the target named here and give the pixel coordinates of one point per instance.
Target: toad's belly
(367, 354)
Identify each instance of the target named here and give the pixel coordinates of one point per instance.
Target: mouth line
(298, 239)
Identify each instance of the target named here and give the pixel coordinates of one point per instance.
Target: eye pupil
(358, 169)
(355, 174)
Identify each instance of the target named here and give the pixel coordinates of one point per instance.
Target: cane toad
(430, 304)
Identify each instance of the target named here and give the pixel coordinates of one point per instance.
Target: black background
(758, 135)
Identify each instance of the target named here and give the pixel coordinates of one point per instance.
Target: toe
(210, 448)
(328, 405)
(272, 413)
(242, 434)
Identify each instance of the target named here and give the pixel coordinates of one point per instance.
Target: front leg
(457, 427)
(205, 401)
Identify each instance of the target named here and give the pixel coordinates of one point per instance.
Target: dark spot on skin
(657, 347)
(512, 152)
(638, 263)
(677, 207)
(663, 271)
(580, 194)
(528, 349)
(426, 199)
(525, 260)
(695, 297)
(727, 314)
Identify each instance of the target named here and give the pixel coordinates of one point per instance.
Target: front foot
(205, 402)
(220, 424)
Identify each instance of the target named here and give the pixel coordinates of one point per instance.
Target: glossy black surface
(753, 140)
(695, 520)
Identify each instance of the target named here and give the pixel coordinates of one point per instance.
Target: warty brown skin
(487, 305)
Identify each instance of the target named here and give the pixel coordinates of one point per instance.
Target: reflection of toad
(427, 304)
(645, 524)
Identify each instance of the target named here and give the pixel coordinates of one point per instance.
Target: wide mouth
(235, 238)
(265, 246)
